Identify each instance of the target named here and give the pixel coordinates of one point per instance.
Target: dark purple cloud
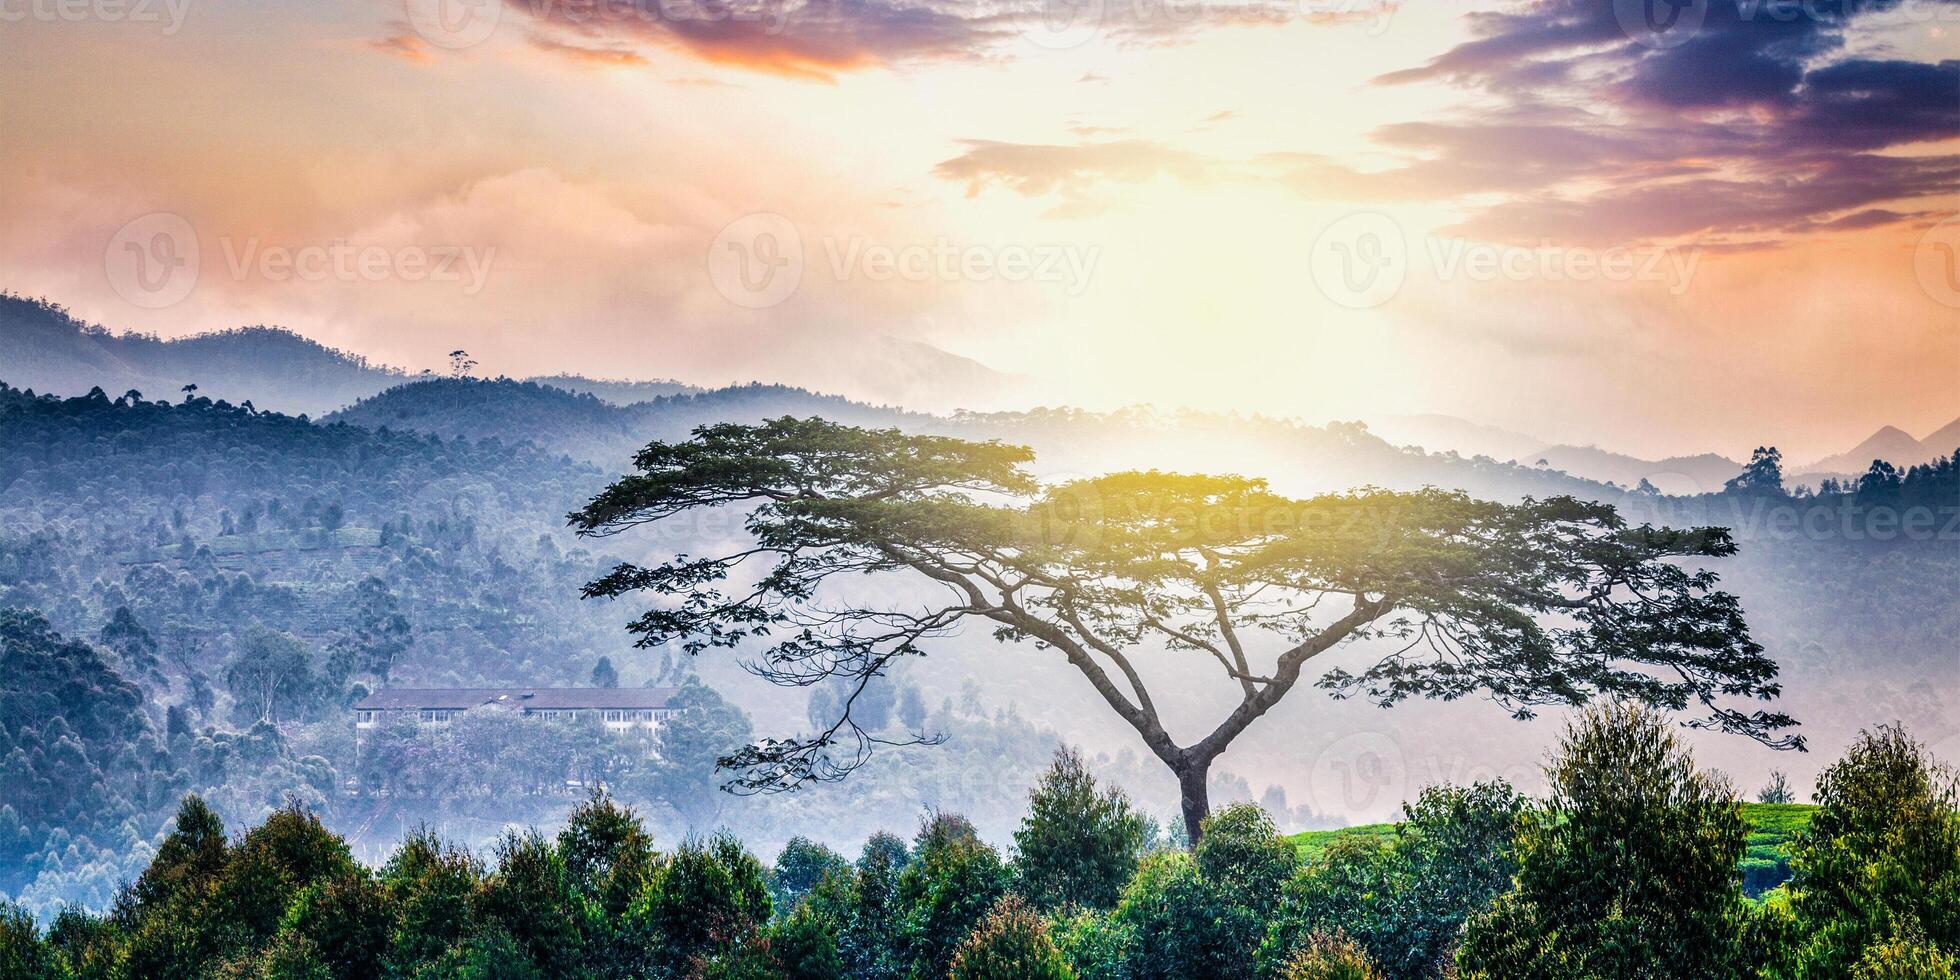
(1747, 116)
(1746, 119)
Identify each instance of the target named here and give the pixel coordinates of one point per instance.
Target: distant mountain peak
(1944, 440)
(1891, 444)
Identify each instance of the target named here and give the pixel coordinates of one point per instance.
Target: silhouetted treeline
(1627, 869)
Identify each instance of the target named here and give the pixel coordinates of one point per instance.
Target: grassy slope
(1767, 862)
(1771, 825)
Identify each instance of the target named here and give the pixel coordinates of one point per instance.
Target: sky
(1661, 226)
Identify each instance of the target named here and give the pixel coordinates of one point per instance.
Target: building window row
(367, 716)
(625, 715)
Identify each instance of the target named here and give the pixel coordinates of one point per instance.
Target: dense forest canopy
(1627, 868)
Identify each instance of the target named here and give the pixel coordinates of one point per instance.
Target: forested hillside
(49, 351)
(1302, 458)
(187, 551)
(201, 589)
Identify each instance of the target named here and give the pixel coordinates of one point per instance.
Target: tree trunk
(1192, 777)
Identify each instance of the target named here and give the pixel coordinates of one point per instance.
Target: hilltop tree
(1547, 602)
(911, 709)
(1763, 475)
(1777, 790)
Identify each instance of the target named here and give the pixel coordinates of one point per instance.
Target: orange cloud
(609, 57)
(403, 43)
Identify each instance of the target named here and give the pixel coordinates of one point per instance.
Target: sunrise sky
(1544, 215)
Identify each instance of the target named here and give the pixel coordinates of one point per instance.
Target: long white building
(619, 708)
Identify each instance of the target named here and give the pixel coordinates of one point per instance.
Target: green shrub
(1179, 925)
(1242, 853)
(1078, 845)
(1404, 898)
(1634, 877)
(951, 882)
(347, 921)
(1011, 943)
(23, 953)
(1906, 955)
(1881, 857)
(489, 955)
(529, 898)
(1095, 946)
(431, 886)
(708, 897)
(1330, 957)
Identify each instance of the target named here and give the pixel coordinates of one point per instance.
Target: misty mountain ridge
(585, 425)
(1891, 444)
(1445, 433)
(1297, 458)
(1702, 473)
(47, 349)
(1676, 475)
(617, 391)
(1673, 475)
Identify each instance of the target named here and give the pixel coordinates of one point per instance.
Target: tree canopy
(1546, 602)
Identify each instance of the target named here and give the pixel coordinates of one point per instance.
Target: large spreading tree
(1544, 603)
